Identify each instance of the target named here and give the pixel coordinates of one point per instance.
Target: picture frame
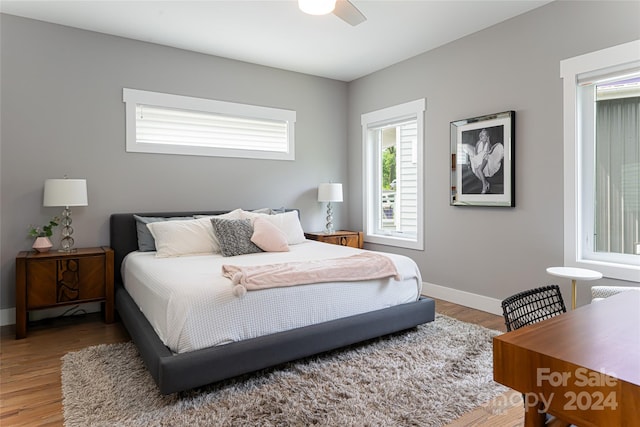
(483, 160)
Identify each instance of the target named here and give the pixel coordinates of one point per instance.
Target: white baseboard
(7, 316)
(479, 302)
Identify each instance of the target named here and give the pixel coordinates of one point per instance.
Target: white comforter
(192, 306)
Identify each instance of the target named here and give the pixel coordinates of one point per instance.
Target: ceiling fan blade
(346, 11)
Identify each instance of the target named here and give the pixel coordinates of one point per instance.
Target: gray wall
(514, 65)
(62, 113)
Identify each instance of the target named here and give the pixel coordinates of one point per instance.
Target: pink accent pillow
(269, 237)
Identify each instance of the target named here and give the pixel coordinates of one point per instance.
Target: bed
(182, 365)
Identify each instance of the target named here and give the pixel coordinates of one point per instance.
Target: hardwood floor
(504, 411)
(30, 386)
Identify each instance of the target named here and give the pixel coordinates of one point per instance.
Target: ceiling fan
(343, 9)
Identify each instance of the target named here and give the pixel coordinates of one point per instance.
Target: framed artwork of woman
(483, 171)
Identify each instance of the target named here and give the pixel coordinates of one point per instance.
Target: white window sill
(408, 243)
(610, 270)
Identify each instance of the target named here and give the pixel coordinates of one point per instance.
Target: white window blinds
(172, 124)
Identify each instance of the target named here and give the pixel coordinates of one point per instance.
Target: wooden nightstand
(53, 279)
(354, 239)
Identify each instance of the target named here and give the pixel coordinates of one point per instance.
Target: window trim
(409, 109)
(570, 71)
(133, 97)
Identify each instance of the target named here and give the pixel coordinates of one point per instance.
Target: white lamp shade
(317, 7)
(330, 192)
(65, 192)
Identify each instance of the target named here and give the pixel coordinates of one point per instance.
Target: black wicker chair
(532, 306)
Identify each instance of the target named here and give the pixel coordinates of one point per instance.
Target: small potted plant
(42, 234)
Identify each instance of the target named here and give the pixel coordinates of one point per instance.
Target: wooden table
(582, 366)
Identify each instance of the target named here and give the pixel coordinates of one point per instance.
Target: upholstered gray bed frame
(178, 372)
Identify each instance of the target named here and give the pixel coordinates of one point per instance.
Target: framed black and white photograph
(482, 160)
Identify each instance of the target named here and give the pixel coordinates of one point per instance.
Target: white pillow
(234, 214)
(287, 222)
(179, 238)
(268, 237)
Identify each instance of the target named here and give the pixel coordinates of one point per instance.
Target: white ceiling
(278, 34)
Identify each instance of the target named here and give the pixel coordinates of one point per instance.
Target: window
(393, 167)
(173, 124)
(602, 161)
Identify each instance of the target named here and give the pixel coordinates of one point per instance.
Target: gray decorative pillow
(146, 242)
(234, 236)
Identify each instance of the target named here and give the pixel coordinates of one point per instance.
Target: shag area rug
(427, 376)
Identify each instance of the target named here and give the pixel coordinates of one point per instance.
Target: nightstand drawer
(343, 238)
(65, 280)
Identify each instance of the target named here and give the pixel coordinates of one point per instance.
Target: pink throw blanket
(363, 266)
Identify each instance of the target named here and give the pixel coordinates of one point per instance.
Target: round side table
(574, 274)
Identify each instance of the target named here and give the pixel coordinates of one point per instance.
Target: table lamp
(65, 192)
(330, 192)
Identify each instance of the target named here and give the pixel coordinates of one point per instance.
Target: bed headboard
(123, 236)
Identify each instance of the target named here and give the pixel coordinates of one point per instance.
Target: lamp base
(66, 244)
(329, 228)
